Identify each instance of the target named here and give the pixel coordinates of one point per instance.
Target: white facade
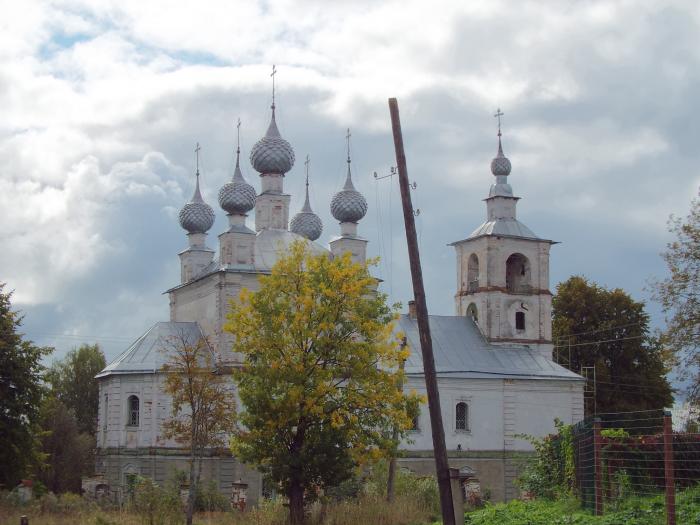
(498, 410)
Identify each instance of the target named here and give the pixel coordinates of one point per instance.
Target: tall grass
(366, 510)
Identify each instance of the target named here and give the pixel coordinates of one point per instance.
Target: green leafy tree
(321, 369)
(69, 452)
(598, 327)
(679, 295)
(73, 382)
(203, 406)
(21, 392)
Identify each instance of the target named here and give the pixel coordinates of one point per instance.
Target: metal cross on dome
(274, 72)
(347, 137)
(197, 148)
(306, 163)
(498, 115)
(238, 131)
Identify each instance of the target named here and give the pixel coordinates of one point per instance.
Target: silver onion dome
(237, 197)
(306, 223)
(500, 165)
(272, 154)
(196, 216)
(348, 205)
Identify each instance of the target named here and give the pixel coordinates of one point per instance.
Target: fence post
(23, 520)
(668, 468)
(597, 466)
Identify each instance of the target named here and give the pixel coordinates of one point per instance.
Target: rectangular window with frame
(133, 414)
(461, 416)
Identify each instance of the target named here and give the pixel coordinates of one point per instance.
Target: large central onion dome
(196, 216)
(272, 154)
(306, 223)
(237, 197)
(348, 205)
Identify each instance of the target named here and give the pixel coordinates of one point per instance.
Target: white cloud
(56, 233)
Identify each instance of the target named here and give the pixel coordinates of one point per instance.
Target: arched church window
(472, 273)
(518, 274)
(106, 412)
(520, 320)
(133, 411)
(461, 416)
(473, 312)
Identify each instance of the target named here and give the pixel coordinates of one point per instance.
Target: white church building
(493, 357)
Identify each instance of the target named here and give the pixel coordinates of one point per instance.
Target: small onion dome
(272, 154)
(196, 216)
(500, 165)
(306, 223)
(348, 205)
(237, 197)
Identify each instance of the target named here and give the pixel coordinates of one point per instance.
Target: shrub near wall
(633, 511)
(550, 473)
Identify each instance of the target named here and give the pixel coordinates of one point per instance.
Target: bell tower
(503, 270)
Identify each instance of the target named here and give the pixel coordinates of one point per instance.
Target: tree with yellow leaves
(319, 382)
(203, 406)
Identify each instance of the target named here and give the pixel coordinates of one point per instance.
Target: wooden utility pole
(440, 450)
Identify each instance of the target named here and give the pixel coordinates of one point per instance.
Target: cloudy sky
(103, 102)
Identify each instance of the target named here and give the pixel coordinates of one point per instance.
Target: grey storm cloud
(103, 103)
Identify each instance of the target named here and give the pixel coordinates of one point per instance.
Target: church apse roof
(148, 353)
(461, 351)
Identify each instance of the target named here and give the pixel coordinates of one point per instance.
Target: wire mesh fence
(623, 455)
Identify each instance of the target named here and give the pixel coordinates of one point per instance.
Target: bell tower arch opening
(518, 278)
(473, 273)
(473, 312)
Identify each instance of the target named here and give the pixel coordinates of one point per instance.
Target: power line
(602, 341)
(600, 330)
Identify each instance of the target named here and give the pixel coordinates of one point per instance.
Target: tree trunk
(295, 493)
(191, 494)
(390, 478)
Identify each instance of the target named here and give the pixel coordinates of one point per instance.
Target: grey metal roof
(149, 352)
(504, 227)
(461, 351)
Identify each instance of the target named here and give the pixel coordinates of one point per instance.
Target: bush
(208, 498)
(156, 505)
(550, 473)
(637, 511)
(67, 503)
(268, 512)
(10, 499)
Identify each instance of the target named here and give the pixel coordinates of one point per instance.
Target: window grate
(461, 416)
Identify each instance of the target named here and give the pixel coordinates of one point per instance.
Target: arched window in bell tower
(518, 274)
(473, 312)
(472, 273)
